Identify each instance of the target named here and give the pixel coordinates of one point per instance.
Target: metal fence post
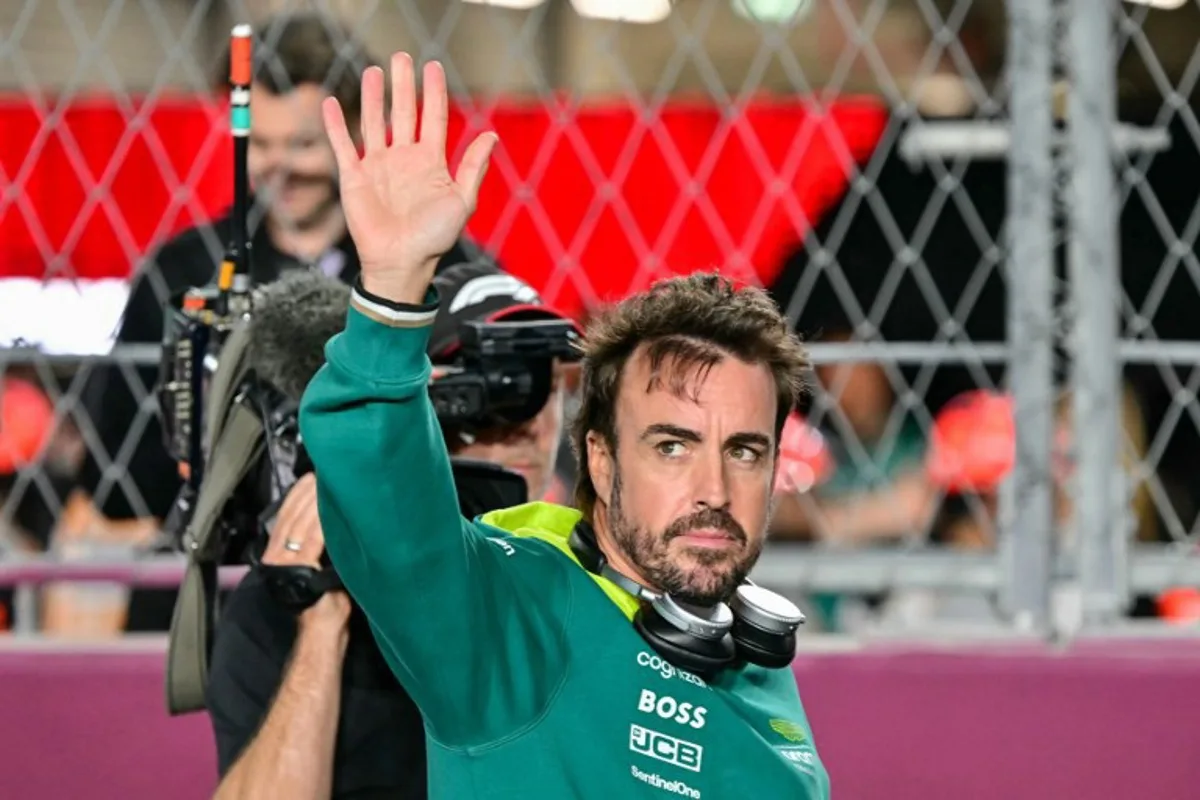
(1026, 513)
(1095, 281)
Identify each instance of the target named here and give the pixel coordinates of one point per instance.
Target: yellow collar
(553, 524)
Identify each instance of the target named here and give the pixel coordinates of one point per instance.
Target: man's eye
(745, 454)
(670, 448)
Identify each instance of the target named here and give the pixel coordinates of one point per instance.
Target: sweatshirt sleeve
(470, 619)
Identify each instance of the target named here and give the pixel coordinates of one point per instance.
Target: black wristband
(430, 304)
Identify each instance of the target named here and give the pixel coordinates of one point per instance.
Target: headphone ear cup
(763, 648)
(682, 649)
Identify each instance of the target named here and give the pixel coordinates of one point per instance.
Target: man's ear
(600, 461)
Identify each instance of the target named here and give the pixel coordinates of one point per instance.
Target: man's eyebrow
(667, 429)
(749, 439)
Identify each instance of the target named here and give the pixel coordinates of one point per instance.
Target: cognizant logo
(667, 669)
(659, 782)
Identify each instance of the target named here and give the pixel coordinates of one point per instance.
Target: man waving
(615, 650)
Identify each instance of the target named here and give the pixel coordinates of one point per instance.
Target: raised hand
(402, 206)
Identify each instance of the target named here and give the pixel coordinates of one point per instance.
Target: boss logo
(665, 748)
(669, 708)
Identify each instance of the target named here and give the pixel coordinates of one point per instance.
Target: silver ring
(291, 546)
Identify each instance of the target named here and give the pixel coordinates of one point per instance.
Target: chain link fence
(989, 442)
(1153, 249)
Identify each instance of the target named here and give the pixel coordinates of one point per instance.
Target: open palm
(403, 208)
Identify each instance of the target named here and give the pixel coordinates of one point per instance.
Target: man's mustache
(709, 519)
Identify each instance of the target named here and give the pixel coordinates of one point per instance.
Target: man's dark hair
(294, 49)
(693, 323)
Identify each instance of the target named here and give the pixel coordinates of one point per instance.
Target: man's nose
(712, 482)
(275, 166)
(270, 159)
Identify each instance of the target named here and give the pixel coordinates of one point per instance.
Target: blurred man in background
(296, 221)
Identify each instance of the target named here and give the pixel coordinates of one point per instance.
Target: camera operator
(303, 705)
(296, 223)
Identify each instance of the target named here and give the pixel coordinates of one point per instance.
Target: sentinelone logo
(659, 782)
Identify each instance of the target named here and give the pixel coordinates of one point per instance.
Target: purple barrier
(94, 724)
(1102, 721)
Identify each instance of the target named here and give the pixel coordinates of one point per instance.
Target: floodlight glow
(520, 5)
(641, 11)
(772, 11)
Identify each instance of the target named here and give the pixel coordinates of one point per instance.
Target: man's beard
(714, 574)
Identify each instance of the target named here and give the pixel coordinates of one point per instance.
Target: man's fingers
(306, 484)
(301, 495)
(374, 131)
(285, 520)
(404, 99)
(312, 540)
(344, 151)
(435, 109)
(298, 521)
(474, 166)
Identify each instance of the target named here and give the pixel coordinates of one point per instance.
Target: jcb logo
(665, 748)
(669, 708)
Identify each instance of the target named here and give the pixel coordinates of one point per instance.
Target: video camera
(256, 358)
(505, 374)
(504, 377)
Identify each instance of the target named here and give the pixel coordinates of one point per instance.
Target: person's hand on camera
(297, 540)
(403, 208)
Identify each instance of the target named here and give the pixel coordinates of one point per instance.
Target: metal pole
(1100, 506)
(1026, 517)
(979, 139)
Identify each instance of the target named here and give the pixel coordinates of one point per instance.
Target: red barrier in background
(587, 203)
(991, 723)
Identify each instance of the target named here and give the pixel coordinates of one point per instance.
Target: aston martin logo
(788, 730)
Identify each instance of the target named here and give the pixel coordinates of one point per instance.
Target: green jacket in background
(532, 681)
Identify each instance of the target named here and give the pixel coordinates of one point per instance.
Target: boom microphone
(293, 319)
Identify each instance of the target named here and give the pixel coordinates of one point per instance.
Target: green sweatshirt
(531, 679)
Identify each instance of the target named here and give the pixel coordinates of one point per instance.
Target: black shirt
(380, 747)
(129, 431)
